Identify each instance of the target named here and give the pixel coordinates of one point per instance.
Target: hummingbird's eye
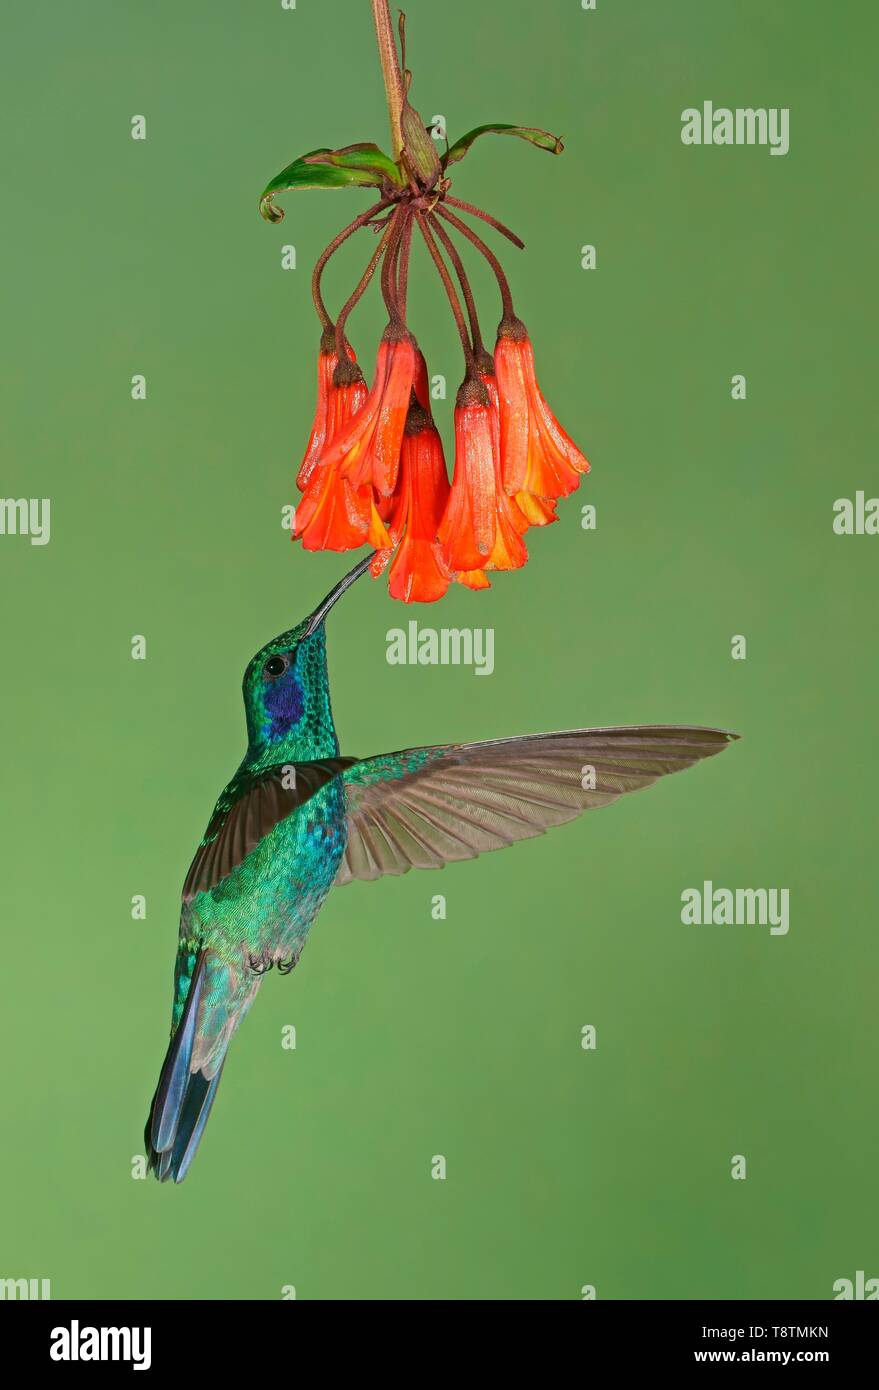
(275, 666)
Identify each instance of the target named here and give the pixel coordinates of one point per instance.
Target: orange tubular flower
(420, 387)
(467, 530)
(327, 362)
(368, 448)
(417, 574)
(539, 458)
(481, 527)
(334, 515)
(509, 551)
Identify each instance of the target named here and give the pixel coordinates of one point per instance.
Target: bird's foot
(285, 966)
(260, 964)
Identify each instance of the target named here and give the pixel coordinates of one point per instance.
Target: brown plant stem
(361, 221)
(450, 291)
(342, 349)
(389, 275)
(486, 251)
(390, 63)
(486, 217)
(452, 252)
(405, 252)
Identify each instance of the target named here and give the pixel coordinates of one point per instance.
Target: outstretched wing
(425, 807)
(247, 812)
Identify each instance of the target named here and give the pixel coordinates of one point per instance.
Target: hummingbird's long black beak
(334, 595)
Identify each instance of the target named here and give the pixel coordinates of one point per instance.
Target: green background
(415, 1037)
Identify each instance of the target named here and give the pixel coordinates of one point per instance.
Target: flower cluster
(374, 472)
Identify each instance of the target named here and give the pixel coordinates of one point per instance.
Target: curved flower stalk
(374, 473)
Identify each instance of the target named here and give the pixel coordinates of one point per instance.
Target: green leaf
(366, 158)
(541, 138)
(356, 166)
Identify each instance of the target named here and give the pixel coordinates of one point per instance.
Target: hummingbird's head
(286, 689)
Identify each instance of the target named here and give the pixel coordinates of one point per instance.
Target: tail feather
(193, 1066)
(193, 1118)
(174, 1077)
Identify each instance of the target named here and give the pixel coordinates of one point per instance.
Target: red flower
(417, 574)
(327, 362)
(334, 515)
(482, 527)
(368, 448)
(373, 471)
(509, 551)
(539, 458)
(468, 525)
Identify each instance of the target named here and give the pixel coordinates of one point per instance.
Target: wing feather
(426, 807)
(246, 813)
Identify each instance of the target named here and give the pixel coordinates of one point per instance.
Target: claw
(260, 966)
(285, 966)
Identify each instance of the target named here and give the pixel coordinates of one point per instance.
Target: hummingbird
(298, 818)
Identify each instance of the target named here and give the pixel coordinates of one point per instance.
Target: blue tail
(183, 1098)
